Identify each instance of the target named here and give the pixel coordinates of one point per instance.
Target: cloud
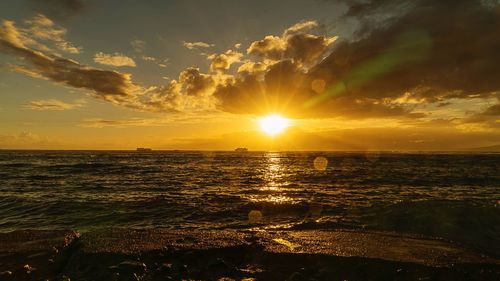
(116, 59)
(196, 45)
(148, 58)
(122, 123)
(165, 120)
(44, 28)
(221, 62)
(260, 86)
(408, 61)
(489, 116)
(159, 62)
(389, 69)
(285, 89)
(52, 104)
(252, 67)
(282, 80)
(107, 85)
(300, 27)
(430, 58)
(138, 45)
(294, 44)
(41, 33)
(192, 91)
(493, 110)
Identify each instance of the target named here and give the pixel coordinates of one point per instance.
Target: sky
(183, 74)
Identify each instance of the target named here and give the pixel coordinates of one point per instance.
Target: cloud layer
(404, 59)
(53, 104)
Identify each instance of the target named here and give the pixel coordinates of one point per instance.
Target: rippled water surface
(453, 196)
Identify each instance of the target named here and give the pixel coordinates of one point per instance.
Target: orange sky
(350, 76)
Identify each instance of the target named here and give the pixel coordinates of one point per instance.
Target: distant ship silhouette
(241, 149)
(143, 149)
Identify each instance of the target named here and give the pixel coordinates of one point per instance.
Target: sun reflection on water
(272, 190)
(273, 174)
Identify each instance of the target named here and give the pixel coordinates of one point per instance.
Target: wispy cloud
(53, 104)
(122, 123)
(148, 58)
(196, 45)
(159, 62)
(138, 45)
(50, 35)
(116, 59)
(153, 122)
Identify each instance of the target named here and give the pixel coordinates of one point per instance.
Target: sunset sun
(273, 124)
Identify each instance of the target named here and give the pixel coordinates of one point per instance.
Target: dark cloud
(294, 44)
(457, 43)
(284, 88)
(493, 110)
(432, 51)
(108, 85)
(370, 7)
(59, 9)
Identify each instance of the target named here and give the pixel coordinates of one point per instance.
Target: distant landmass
(491, 148)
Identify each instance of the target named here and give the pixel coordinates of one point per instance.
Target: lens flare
(320, 163)
(273, 124)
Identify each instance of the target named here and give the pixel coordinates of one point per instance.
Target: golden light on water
(273, 124)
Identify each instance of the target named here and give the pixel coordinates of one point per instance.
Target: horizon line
(471, 150)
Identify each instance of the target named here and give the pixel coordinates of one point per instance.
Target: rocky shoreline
(159, 254)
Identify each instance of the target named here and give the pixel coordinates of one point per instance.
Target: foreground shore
(156, 254)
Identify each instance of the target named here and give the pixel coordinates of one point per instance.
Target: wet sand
(156, 254)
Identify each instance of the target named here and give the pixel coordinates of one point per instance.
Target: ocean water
(455, 197)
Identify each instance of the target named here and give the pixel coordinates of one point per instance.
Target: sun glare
(273, 124)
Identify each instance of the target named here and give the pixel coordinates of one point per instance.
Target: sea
(449, 196)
